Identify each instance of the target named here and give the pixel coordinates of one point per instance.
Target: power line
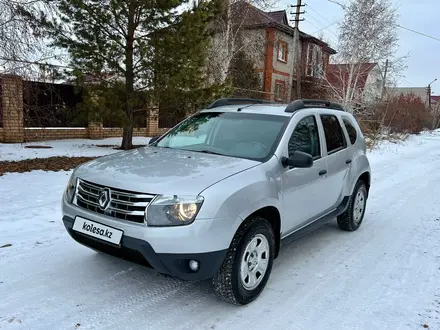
(404, 80)
(330, 38)
(398, 25)
(331, 23)
(325, 27)
(288, 5)
(308, 6)
(423, 34)
(320, 23)
(338, 3)
(315, 19)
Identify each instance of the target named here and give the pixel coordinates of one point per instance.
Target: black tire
(227, 283)
(346, 221)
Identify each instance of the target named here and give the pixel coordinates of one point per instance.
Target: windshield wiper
(210, 152)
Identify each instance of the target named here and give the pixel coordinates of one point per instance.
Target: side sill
(319, 222)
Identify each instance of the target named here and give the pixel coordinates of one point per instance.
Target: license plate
(97, 230)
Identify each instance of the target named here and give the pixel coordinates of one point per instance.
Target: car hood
(157, 170)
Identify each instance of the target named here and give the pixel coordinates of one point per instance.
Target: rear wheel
(352, 218)
(248, 263)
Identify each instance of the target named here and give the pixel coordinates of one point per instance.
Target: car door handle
(322, 172)
(348, 161)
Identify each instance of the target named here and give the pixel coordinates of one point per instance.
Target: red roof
(436, 98)
(338, 75)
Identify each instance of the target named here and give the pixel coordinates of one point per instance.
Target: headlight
(173, 210)
(70, 189)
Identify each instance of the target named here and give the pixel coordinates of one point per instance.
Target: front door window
(305, 138)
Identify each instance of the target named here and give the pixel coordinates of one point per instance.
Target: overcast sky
(423, 65)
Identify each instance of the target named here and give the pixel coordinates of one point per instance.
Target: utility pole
(297, 48)
(384, 78)
(429, 92)
(429, 96)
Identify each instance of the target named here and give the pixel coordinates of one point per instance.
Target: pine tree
(113, 37)
(367, 34)
(244, 77)
(181, 55)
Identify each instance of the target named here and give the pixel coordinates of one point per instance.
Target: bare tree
(232, 36)
(436, 115)
(367, 36)
(23, 50)
(355, 83)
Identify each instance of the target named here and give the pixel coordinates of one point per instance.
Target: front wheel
(248, 263)
(352, 218)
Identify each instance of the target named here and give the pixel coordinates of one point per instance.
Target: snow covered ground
(386, 275)
(71, 148)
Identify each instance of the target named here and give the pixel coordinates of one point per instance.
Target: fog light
(194, 265)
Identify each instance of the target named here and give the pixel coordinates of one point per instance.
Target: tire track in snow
(431, 314)
(123, 289)
(178, 306)
(126, 301)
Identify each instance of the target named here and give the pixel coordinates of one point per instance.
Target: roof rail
(303, 104)
(235, 101)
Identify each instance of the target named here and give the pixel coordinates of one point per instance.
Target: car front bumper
(140, 251)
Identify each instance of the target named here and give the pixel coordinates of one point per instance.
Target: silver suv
(213, 197)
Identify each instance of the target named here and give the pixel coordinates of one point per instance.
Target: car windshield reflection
(251, 136)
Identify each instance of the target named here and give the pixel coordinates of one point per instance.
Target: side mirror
(154, 138)
(298, 159)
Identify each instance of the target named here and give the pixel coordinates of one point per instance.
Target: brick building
(267, 38)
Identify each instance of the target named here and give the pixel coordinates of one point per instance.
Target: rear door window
(334, 136)
(352, 133)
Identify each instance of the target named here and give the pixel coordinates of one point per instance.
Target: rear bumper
(141, 252)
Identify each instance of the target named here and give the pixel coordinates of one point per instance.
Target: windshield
(252, 136)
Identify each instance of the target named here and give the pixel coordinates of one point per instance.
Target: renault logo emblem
(104, 199)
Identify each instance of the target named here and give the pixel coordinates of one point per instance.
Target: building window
(314, 61)
(283, 49)
(280, 90)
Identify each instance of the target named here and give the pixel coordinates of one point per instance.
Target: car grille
(124, 205)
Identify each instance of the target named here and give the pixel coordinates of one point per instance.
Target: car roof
(278, 109)
(266, 109)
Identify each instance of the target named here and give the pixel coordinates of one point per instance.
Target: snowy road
(384, 276)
